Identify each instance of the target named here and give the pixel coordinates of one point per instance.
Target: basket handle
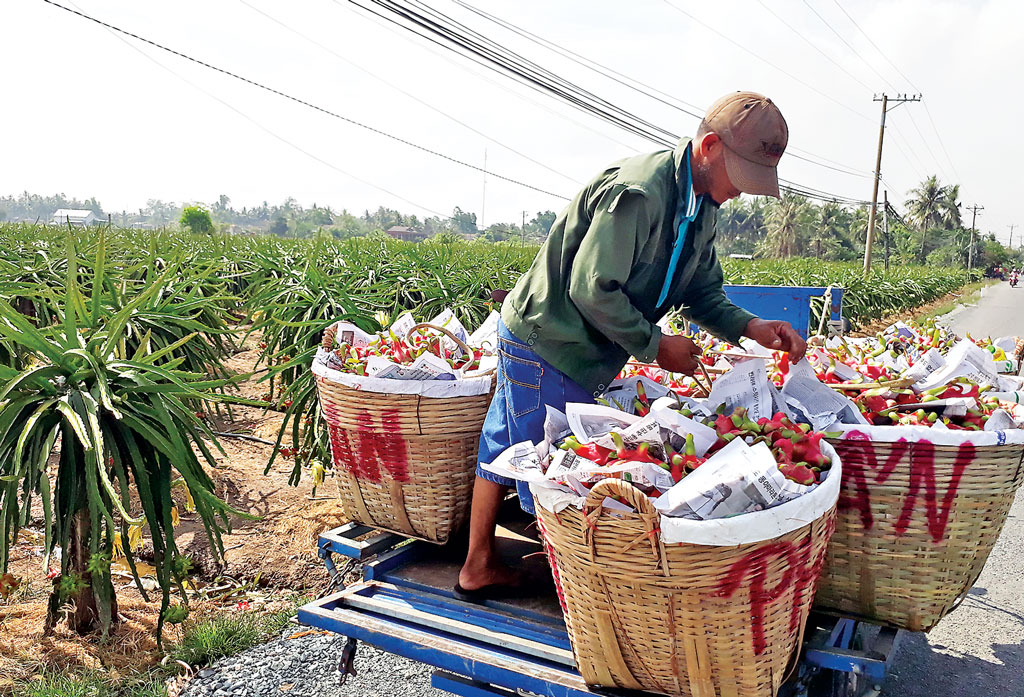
(593, 509)
(614, 487)
(459, 342)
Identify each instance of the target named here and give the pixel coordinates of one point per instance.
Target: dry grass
(25, 651)
(279, 549)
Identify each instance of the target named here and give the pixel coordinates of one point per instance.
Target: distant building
(63, 216)
(409, 234)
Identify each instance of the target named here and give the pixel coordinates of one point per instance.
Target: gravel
(308, 666)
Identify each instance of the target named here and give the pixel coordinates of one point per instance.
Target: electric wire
(789, 186)
(589, 63)
(848, 44)
(938, 162)
(880, 52)
(411, 96)
(814, 46)
(389, 25)
(303, 102)
(494, 67)
(642, 88)
(267, 130)
(766, 61)
(464, 41)
(928, 113)
(903, 75)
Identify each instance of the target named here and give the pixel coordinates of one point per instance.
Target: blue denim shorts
(525, 384)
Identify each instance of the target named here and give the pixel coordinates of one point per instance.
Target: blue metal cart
(405, 605)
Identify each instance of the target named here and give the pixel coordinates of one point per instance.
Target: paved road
(998, 313)
(978, 650)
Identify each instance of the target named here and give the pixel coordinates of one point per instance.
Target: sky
(88, 113)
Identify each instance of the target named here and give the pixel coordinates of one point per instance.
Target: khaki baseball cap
(755, 136)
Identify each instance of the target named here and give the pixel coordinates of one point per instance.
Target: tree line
(930, 232)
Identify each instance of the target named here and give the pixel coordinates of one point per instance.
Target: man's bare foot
(478, 574)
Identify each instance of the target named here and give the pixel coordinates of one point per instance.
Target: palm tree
(785, 222)
(731, 218)
(829, 231)
(951, 206)
(738, 228)
(933, 205)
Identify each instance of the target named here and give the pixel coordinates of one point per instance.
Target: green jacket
(588, 300)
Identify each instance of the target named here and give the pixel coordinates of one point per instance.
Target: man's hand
(677, 354)
(776, 335)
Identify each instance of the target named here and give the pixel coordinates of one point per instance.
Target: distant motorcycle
(1013, 280)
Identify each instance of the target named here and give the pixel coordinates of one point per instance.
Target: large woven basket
(915, 526)
(405, 463)
(682, 619)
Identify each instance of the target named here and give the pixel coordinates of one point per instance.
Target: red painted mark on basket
(384, 447)
(341, 448)
(800, 574)
(861, 461)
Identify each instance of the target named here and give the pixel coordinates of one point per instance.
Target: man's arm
(603, 263)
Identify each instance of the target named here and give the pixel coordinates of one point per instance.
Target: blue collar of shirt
(687, 206)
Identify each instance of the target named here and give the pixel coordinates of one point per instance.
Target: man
(637, 241)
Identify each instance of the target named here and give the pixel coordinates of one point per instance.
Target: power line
(624, 80)
(639, 86)
(301, 101)
(510, 65)
(918, 163)
(813, 45)
(938, 135)
(407, 94)
(388, 24)
(269, 131)
(880, 52)
(893, 186)
(911, 83)
(848, 44)
(438, 28)
(765, 60)
(464, 38)
(795, 188)
(913, 122)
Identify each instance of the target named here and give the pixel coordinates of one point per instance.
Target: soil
(272, 555)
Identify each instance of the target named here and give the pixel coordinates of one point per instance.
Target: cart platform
(405, 605)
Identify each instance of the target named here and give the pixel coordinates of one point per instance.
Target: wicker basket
(915, 526)
(681, 619)
(405, 463)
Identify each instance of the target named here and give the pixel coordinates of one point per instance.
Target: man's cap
(755, 136)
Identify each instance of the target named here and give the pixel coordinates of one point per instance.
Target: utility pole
(1011, 235)
(522, 230)
(885, 100)
(974, 215)
(885, 225)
